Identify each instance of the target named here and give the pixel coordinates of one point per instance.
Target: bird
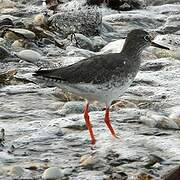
(102, 77)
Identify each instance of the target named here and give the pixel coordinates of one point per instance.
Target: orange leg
(88, 123)
(108, 122)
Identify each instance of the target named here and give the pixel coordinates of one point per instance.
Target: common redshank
(102, 77)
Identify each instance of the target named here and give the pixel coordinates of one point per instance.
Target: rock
(6, 21)
(18, 33)
(159, 121)
(175, 115)
(176, 53)
(7, 76)
(122, 21)
(161, 2)
(113, 47)
(17, 171)
(29, 56)
(154, 65)
(144, 176)
(81, 19)
(170, 40)
(95, 2)
(172, 24)
(166, 9)
(121, 5)
(4, 53)
(91, 162)
(81, 41)
(122, 104)
(40, 20)
(52, 173)
(7, 4)
(173, 174)
(118, 176)
(65, 96)
(76, 107)
(98, 43)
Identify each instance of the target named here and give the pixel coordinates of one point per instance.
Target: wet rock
(113, 47)
(5, 77)
(162, 53)
(34, 57)
(40, 20)
(122, 104)
(124, 5)
(23, 44)
(143, 20)
(4, 53)
(175, 115)
(52, 4)
(121, 5)
(172, 24)
(161, 2)
(7, 4)
(76, 107)
(98, 43)
(169, 40)
(159, 121)
(83, 20)
(166, 9)
(91, 162)
(176, 53)
(81, 41)
(6, 21)
(64, 96)
(18, 33)
(2, 137)
(78, 52)
(52, 173)
(29, 55)
(152, 160)
(77, 126)
(173, 174)
(154, 65)
(144, 176)
(17, 171)
(118, 176)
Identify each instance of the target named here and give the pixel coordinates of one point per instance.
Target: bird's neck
(132, 50)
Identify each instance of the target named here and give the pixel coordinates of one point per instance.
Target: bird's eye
(147, 38)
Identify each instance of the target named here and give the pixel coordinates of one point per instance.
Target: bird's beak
(158, 45)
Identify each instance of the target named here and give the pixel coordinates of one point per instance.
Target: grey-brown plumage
(109, 72)
(103, 77)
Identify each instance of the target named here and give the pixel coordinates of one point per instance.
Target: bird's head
(143, 39)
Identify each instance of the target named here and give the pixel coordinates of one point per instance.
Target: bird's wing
(96, 70)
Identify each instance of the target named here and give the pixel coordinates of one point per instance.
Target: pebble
(175, 115)
(4, 53)
(91, 161)
(159, 121)
(77, 107)
(113, 47)
(52, 173)
(39, 20)
(81, 41)
(177, 53)
(17, 171)
(29, 55)
(172, 24)
(98, 43)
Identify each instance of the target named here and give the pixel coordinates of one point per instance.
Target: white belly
(94, 92)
